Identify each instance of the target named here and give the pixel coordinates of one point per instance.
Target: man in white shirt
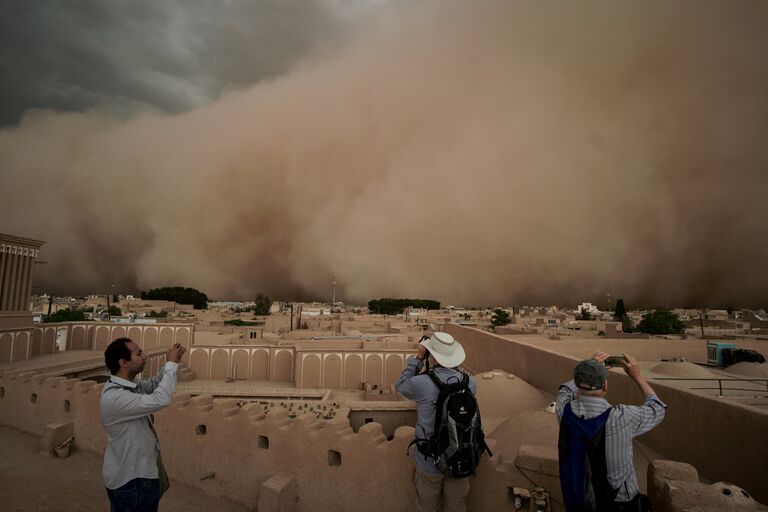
(132, 465)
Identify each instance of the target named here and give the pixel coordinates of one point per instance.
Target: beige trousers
(430, 488)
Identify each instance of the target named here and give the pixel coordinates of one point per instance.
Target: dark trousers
(138, 495)
(640, 503)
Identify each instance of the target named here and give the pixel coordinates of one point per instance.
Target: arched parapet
(374, 370)
(283, 368)
(311, 370)
(220, 359)
(353, 371)
(150, 338)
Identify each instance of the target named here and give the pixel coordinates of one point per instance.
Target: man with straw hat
(442, 355)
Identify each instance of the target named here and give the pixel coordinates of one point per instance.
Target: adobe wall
(350, 368)
(23, 344)
(229, 451)
(724, 441)
(344, 364)
(653, 349)
(253, 362)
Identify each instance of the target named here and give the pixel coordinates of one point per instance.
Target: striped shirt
(625, 422)
(424, 392)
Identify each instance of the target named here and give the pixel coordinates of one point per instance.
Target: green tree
(620, 315)
(584, 314)
(156, 314)
(661, 321)
(66, 315)
(178, 294)
(263, 303)
(388, 306)
(500, 318)
(621, 311)
(115, 311)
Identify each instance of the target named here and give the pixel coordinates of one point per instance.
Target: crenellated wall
(724, 441)
(226, 450)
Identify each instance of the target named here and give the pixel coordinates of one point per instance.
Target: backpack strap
(440, 385)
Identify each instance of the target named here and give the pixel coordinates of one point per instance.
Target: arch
(49, 339)
(260, 365)
(117, 332)
(332, 371)
(393, 369)
(37, 342)
(102, 338)
(150, 368)
(374, 368)
(310, 371)
(135, 335)
(78, 337)
(284, 366)
(6, 343)
(166, 337)
(20, 346)
(150, 338)
(90, 337)
(199, 363)
(182, 337)
(219, 364)
(353, 371)
(240, 362)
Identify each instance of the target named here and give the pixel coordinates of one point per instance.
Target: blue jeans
(138, 495)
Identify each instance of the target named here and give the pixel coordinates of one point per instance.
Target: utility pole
(333, 297)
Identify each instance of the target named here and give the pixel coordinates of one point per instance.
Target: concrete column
(11, 299)
(19, 281)
(26, 282)
(3, 267)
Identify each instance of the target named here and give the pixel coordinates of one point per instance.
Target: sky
(488, 152)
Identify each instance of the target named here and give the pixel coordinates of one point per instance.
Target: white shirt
(132, 445)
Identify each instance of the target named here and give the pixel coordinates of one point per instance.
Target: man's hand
(600, 356)
(633, 370)
(629, 363)
(174, 355)
(421, 352)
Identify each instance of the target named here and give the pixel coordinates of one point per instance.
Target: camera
(614, 361)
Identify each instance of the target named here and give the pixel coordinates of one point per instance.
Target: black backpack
(458, 440)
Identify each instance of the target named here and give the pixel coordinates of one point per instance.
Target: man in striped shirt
(586, 396)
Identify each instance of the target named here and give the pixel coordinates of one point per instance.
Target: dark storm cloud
(167, 55)
(488, 152)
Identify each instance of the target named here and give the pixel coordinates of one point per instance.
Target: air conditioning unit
(716, 352)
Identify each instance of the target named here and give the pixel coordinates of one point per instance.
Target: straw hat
(445, 349)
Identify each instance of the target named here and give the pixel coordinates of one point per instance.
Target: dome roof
(501, 395)
(531, 427)
(681, 369)
(747, 369)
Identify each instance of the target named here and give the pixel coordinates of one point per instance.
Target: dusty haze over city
(470, 152)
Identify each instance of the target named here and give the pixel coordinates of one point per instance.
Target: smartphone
(613, 361)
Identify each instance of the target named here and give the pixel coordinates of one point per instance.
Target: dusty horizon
(489, 154)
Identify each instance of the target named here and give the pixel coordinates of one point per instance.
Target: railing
(720, 383)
